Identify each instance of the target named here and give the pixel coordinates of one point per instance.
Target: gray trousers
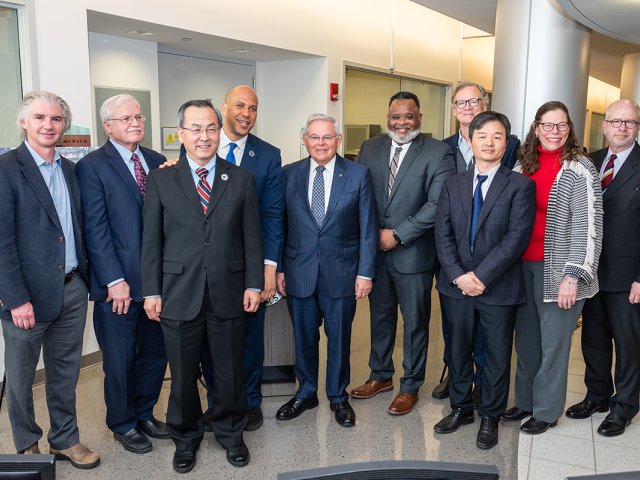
(543, 343)
(61, 342)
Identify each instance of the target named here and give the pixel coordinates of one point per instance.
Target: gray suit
(32, 259)
(405, 274)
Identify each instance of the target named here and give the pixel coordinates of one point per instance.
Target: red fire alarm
(333, 92)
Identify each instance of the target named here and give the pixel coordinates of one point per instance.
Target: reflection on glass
(597, 140)
(10, 77)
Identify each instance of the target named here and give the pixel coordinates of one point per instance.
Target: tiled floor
(312, 440)
(574, 447)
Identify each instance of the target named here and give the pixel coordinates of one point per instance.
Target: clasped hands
(470, 285)
(387, 242)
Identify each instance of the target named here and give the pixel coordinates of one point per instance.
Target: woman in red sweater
(560, 264)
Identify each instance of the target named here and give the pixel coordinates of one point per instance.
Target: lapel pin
(251, 154)
(224, 176)
(340, 174)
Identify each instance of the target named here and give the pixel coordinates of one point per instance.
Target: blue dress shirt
(126, 155)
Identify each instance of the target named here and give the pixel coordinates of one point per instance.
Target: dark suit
(503, 232)
(32, 262)
(320, 267)
(405, 274)
(609, 315)
(201, 265)
(134, 357)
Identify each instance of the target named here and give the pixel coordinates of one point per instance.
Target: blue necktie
(317, 197)
(230, 156)
(477, 206)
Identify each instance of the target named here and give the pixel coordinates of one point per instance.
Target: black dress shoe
(255, 419)
(613, 425)
(294, 407)
(442, 390)
(345, 416)
(513, 414)
(184, 460)
(238, 456)
(536, 427)
(134, 441)
(207, 420)
(476, 396)
(451, 422)
(154, 428)
(488, 434)
(585, 409)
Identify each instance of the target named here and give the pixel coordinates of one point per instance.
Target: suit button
(386, 216)
(61, 268)
(206, 244)
(206, 221)
(469, 263)
(203, 268)
(319, 236)
(62, 239)
(318, 255)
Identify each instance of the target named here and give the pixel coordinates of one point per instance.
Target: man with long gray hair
(43, 286)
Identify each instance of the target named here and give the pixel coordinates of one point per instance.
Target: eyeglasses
(129, 120)
(396, 118)
(617, 123)
(315, 138)
(473, 102)
(197, 130)
(548, 126)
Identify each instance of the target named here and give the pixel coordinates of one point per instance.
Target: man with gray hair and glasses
(43, 286)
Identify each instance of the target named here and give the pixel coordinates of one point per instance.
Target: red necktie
(608, 173)
(141, 175)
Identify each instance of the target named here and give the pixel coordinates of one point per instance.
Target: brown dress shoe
(403, 404)
(32, 450)
(371, 388)
(79, 456)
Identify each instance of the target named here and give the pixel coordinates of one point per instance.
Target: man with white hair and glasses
(43, 286)
(113, 183)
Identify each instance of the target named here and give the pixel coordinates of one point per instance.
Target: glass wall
(367, 103)
(10, 78)
(597, 140)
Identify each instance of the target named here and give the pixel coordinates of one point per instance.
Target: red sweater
(544, 178)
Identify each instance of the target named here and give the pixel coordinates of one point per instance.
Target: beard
(401, 141)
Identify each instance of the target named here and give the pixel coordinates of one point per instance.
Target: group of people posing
(180, 257)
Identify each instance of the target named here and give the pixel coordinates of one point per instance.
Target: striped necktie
(393, 169)
(204, 190)
(608, 173)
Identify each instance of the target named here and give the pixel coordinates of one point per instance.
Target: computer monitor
(397, 470)
(27, 467)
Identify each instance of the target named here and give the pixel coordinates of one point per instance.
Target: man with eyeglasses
(202, 272)
(613, 314)
(468, 100)
(408, 170)
(113, 183)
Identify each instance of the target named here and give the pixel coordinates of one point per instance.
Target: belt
(69, 276)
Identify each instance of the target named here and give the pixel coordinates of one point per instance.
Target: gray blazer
(411, 207)
(32, 247)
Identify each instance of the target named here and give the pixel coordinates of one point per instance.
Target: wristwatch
(396, 237)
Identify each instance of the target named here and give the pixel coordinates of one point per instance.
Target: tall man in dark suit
(330, 242)
(485, 219)
(202, 271)
(614, 312)
(43, 280)
(113, 183)
(408, 170)
(468, 100)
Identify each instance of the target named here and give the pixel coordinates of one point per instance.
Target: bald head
(240, 110)
(624, 104)
(621, 125)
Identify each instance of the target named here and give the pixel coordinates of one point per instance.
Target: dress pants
(61, 344)
(496, 323)
(253, 359)
(607, 317)
(134, 364)
(307, 315)
(184, 341)
(543, 344)
(412, 291)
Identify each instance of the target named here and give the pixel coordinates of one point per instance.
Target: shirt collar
(209, 166)
(621, 156)
(38, 159)
(405, 146)
(329, 166)
(461, 141)
(124, 152)
(224, 141)
(491, 173)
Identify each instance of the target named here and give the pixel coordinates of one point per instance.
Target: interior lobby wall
(477, 60)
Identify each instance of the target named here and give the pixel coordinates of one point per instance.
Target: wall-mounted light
(140, 32)
(242, 50)
(187, 39)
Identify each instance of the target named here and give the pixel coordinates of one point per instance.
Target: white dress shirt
(405, 149)
(465, 149)
(223, 147)
(484, 188)
(618, 161)
(328, 180)
(126, 155)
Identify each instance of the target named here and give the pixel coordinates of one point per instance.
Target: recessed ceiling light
(242, 50)
(140, 32)
(187, 39)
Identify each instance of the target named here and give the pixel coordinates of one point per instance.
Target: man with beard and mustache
(113, 183)
(408, 170)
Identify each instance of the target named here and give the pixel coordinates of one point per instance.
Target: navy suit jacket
(113, 218)
(508, 160)
(502, 235)
(32, 251)
(345, 246)
(265, 162)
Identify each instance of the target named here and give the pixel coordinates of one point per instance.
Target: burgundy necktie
(608, 174)
(141, 175)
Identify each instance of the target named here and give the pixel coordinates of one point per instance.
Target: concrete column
(630, 82)
(541, 54)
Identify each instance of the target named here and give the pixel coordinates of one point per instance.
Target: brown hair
(528, 151)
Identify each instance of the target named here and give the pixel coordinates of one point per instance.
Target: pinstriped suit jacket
(502, 235)
(344, 247)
